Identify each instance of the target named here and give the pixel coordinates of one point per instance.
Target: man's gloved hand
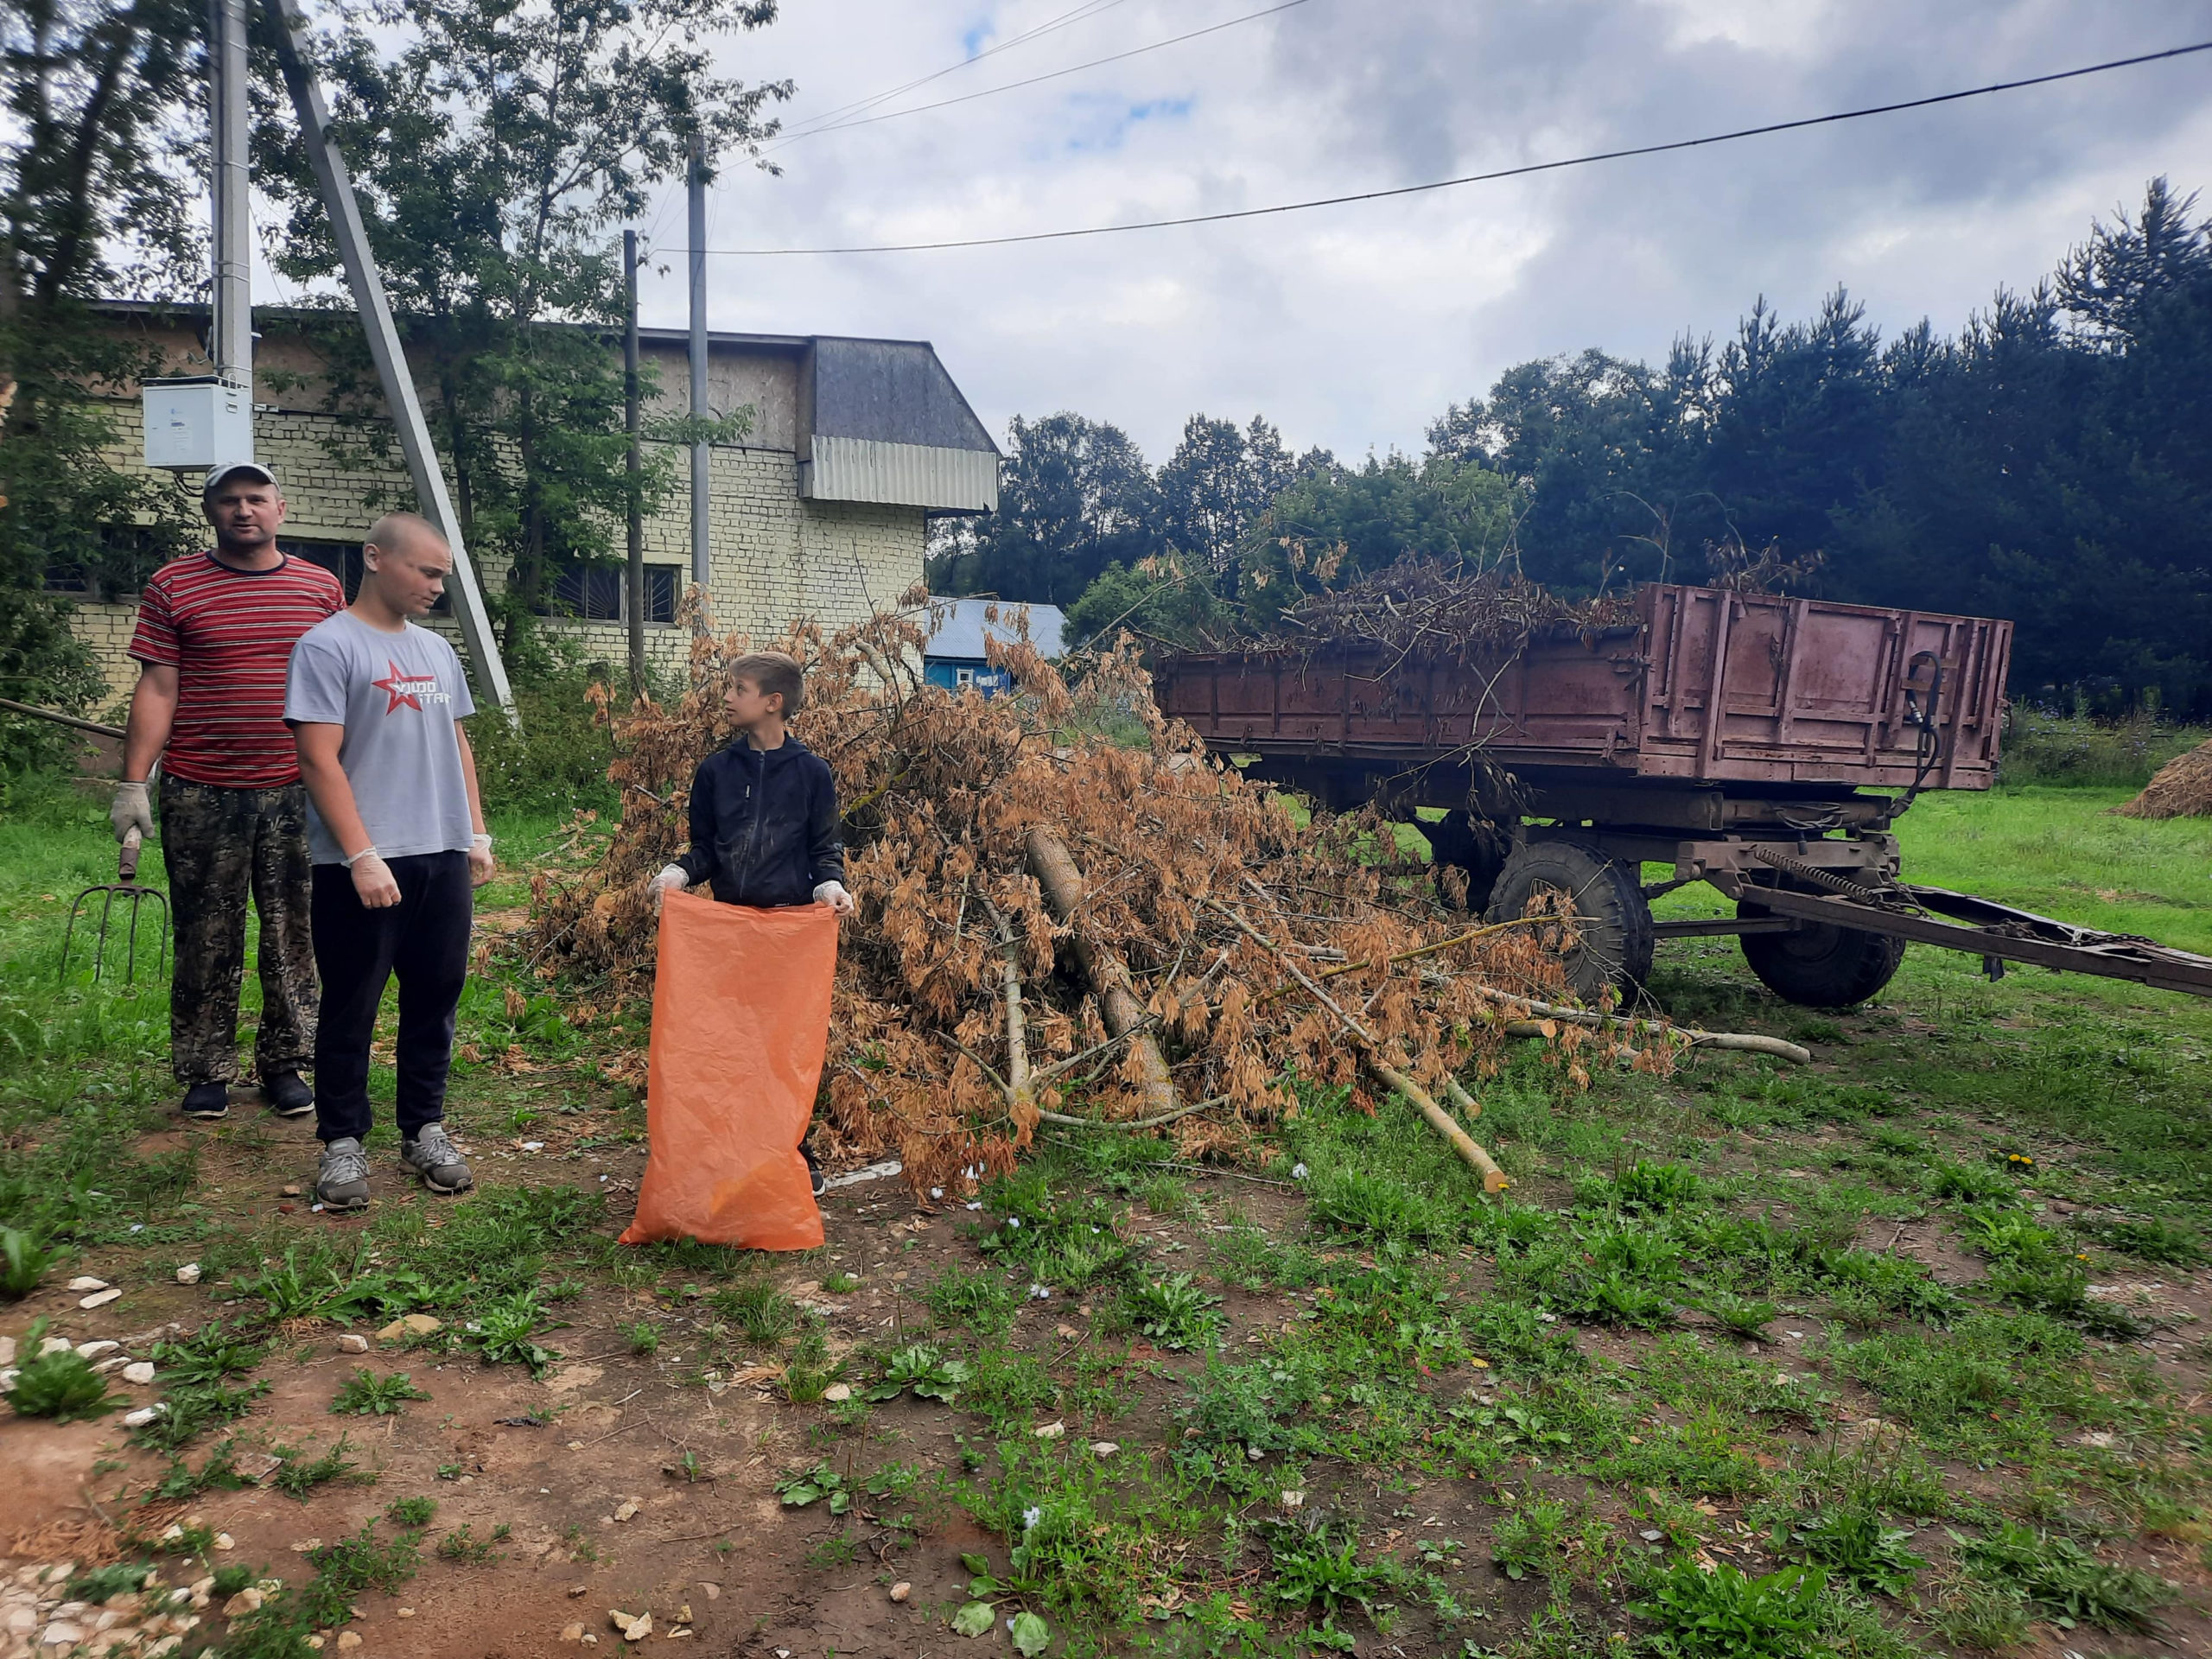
(373, 883)
(132, 810)
(481, 865)
(833, 894)
(671, 878)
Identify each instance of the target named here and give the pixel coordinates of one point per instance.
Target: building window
(343, 561)
(962, 678)
(127, 554)
(600, 593)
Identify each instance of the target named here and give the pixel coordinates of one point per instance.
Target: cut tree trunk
(1061, 882)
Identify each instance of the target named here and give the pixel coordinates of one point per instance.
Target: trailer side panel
(1708, 687)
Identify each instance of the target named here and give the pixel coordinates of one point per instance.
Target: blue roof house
(955, 657)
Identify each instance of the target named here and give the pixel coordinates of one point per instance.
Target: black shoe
(205, 1101)
(816, 1179)
(288, 1097)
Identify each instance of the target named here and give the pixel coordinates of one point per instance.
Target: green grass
(2059, 852)
(1662, 1347)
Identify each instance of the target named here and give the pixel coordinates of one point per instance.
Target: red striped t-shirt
(229, 633)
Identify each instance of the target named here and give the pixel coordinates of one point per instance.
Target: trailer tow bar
(1981, 927)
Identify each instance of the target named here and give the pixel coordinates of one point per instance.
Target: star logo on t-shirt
(404, 688)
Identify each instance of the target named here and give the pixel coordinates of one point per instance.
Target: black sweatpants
(424, 939)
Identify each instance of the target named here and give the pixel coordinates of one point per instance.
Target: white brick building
(820, 512)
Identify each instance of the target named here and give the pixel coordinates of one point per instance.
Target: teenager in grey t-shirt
(397, 695)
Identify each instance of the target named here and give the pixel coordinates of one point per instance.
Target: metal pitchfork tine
(125, 885)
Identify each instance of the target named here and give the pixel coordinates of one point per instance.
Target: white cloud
(1353, 327)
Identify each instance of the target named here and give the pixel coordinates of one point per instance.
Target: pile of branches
(1450, 612)
(1068, 911)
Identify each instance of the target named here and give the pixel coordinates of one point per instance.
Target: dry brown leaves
(1429, 608)
(940, 792)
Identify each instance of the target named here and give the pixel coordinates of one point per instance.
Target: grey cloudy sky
(1353, 327)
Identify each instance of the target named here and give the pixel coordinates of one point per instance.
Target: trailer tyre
(1819, 965)
(1613, 918)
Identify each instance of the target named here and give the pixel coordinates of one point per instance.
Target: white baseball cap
(216, 474)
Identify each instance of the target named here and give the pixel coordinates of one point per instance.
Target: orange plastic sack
(740, 1021)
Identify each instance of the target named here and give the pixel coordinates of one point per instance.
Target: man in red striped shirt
(215, 639)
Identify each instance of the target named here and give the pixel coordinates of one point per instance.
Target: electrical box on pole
(196, 422)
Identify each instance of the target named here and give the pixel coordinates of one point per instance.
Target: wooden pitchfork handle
(126, 864)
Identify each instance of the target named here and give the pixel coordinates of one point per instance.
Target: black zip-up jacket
(764, 824)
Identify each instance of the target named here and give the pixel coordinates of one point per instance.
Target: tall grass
(2043, 746)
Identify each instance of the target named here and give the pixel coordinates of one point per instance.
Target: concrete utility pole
(633, 513)
(703, 458)
(230, 341)
(423, 470)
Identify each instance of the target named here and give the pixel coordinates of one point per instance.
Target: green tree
(96, 96)
(1602, 447)
(1163, 599)
(1337, 523)
(495, 147)
(1218, 480)
(2111, 282)
(1075, 496)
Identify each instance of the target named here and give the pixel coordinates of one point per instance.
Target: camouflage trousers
(223, 846)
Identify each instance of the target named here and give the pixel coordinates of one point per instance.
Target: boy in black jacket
(764, 810)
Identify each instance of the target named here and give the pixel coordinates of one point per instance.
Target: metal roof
(959, 628)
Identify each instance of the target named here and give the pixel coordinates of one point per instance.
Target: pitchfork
(125, 885)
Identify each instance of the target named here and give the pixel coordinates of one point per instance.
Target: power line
(1089, 8)
(990, 92)
(1480, 178)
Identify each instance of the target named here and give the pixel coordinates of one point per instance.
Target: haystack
(2182, 789)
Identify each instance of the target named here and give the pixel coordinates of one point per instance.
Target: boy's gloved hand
(671, 878)
(833, 894)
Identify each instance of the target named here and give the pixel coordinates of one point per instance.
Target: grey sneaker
(435, 1158)
(342, 1179)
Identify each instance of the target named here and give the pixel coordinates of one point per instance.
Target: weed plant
(1856, 1547)
(297, 1474)
(1174, 1312)
(366, 1395)
(62, 1385)
(762, 1313)
(1725, 1614)
(2058, 1574)
(24, 1259)
(973, 1299)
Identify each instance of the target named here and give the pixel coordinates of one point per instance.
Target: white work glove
(833, 894)
(671, 878)
(481, 865)
(373, 882)
(132, 810)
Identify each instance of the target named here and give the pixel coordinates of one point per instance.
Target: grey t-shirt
(397, 695)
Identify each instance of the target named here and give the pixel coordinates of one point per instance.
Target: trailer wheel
(1614, 919)
(1819, 965)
